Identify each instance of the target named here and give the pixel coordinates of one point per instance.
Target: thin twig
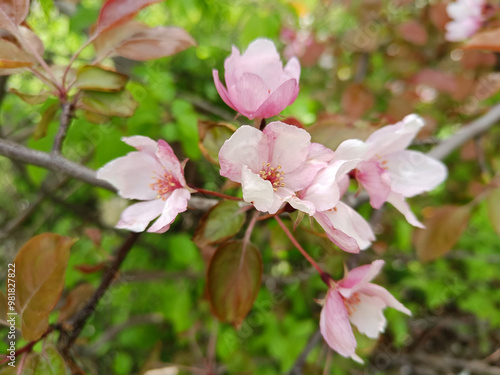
(64, 124)
(301, 359)
(73, 327)
(299, 247)
(216, 194)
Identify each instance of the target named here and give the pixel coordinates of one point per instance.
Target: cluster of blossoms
(280, 166)
(466, 18)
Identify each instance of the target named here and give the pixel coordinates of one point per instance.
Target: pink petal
(360, 276)
(231, 67)
(141, 143)
(248, 94)
(257, 191)
(394, 138)
(279, 99)
(137, 216)
(288, 145)
(170, 162)
(384, 295)
(351, 149)
(132, 174)
(335, 327)
(320, 153)
(399, 202)
(261, 58)
(413, 172)
(292, 69)
(302, 205)
(367, 315)
(346, 228)
(375, 180)
(176, 203)
(247, 146)
(324, 191)
(224, 94)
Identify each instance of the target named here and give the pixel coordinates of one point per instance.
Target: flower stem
(216, 194)
(300, 248)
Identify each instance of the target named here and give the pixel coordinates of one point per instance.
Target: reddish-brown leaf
(233, 281)
(438, 15)
(357, 100)
(95, 235)
(75, 300)
(212, 136)
(114, 12)
(40, 270)
(90, 268)
(473, 59)
(444, 226)
(15, 10)
(441, 81)
(137, 41)
(12, 57)
(485, 40)
(156, 43)
(413, 32)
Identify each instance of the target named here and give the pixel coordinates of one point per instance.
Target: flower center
(273, 175)
(164, 184)
(350, 304)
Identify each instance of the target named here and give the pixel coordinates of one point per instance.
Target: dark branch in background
(72, 328)
(467, 132)
(301, 359)
(68, 110)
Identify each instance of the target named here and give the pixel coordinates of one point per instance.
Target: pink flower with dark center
(257, 84)
(152, 174)
(467, 18)
(391, 173)
(355, 300)
(271, 165)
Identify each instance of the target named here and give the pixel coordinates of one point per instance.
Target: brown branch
(467, 132)
(29, 346)
(447, 363)
(52, 162)
(68, 110)
(72, 328)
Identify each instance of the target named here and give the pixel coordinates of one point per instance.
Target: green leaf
(222, 222)
(233, 281)
(212, 137)
(40, 269)
(96, 78)
(43, 125)
(48, 363)
(443, 229)
(120, 103)
(31, 99)
(493, 202)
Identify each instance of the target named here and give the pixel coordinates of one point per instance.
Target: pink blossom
(154, 175)
(391, 173)
(346, 228)
(356, 300)
(272, 165)
(467, 18)
(257, 84)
